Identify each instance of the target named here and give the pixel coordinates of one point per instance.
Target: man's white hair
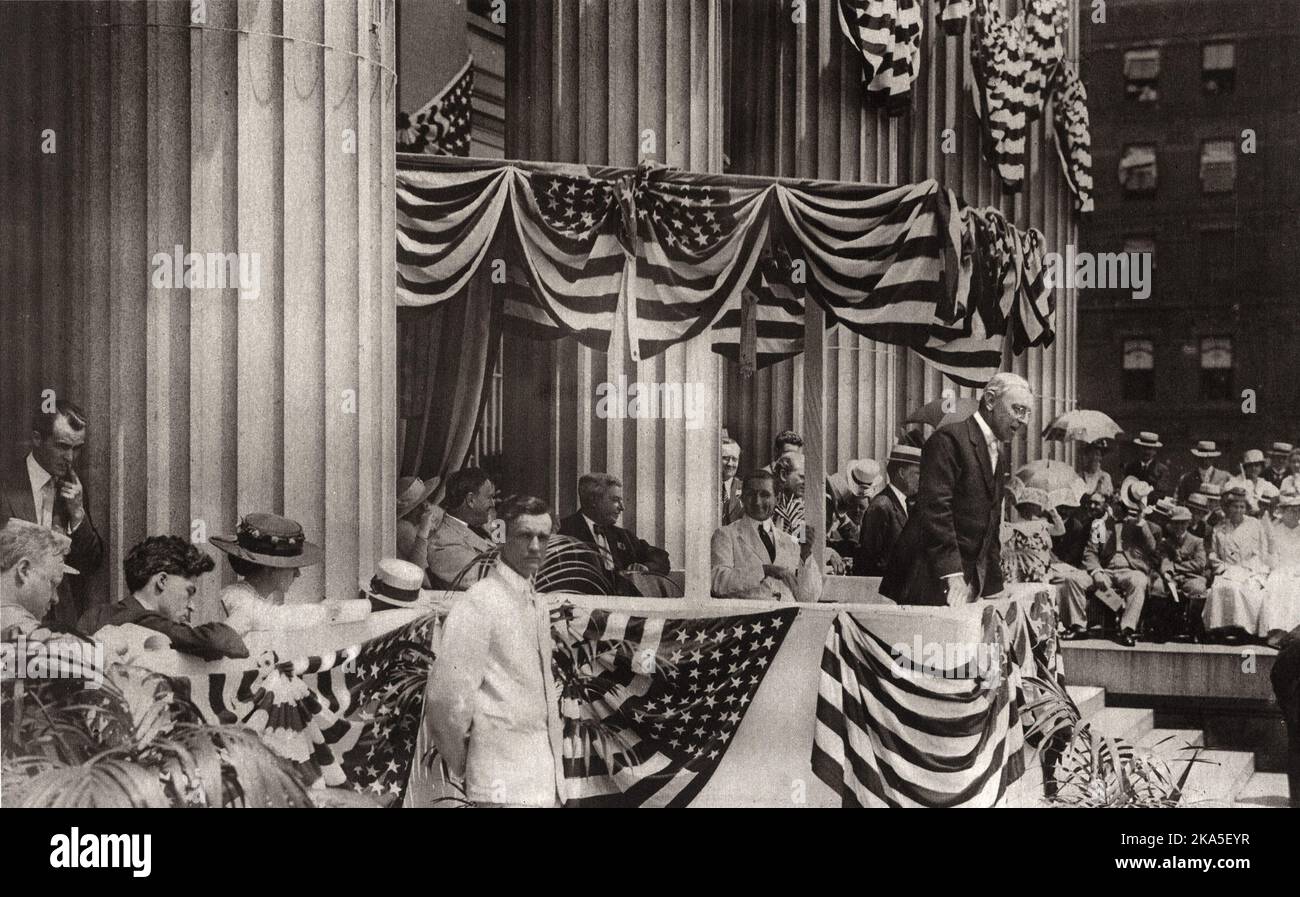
(592, 486)
(1001, 382)
(21, 539)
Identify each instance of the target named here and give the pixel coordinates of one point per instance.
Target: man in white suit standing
(752, 558)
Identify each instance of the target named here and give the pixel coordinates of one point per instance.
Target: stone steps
(1217, 778)
(1264, 790)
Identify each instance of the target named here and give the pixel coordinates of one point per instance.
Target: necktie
(768, 543)
(602, 543)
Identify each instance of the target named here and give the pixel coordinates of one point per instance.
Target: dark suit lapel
(18, 493)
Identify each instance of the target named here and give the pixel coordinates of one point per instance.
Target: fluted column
(259, 129)
(612, 83)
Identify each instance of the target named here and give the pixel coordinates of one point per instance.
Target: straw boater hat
(865, 473)
(1147, 439)
(1178, 512)
(1133, 493)
(1198, 501)
(1288, 499)
(907, 454)
(270, 540)
(1253, 456)
(1281, 448)
(411, 491)
(397, 584)
(1206, 449)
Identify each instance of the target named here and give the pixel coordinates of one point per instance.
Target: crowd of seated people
(1214, 559)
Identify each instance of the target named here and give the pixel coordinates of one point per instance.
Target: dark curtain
(446, 354)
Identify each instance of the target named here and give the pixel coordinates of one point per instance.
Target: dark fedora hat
(270, 540)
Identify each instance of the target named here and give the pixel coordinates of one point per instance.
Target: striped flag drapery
(676, 251)
(349, 718)
(901, 731)
(650, 704)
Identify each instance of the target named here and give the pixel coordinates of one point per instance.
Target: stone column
(252, 134)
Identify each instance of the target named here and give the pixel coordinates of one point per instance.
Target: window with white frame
(1137, 169)
(1142, 74)
(1218, 166)
(1216, 368)
(1139, 377)
(1218, 67)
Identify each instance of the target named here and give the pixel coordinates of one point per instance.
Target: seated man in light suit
(753, 558)
(460, 538)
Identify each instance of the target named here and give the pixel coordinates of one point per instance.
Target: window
(1218, 166)
(1216, 368)
(1139, 383)
(1138, 243)
(1218, 252)
(1218, 68)
(1137, 169)
(1142, 74)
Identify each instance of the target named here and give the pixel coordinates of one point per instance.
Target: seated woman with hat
(1241, 552)
(418, 515)
(266, 552)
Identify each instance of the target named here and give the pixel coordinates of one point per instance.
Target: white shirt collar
(902, 499)
(516, 582)
(985, 429)
(761, 524)
(38, 474)
(591, 524)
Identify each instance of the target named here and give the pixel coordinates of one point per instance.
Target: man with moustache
(44, 489)
(949, 551)
(492, 703)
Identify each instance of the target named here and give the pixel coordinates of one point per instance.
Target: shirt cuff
(951, 575)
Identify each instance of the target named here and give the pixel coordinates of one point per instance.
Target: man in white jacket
(491, 700)
(753, 558)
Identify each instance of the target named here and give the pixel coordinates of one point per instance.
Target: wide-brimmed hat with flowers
(270, 540)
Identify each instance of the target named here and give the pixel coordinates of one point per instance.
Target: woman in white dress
(1238, 594)
(1281, 611)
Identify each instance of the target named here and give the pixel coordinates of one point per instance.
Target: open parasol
(942, 412)
(1047, 484)
(1084, 425)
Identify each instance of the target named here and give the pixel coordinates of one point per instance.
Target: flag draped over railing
(898, 731)
(650, 704)
(348, 718)
(676, 251)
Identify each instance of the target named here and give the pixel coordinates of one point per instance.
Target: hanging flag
(651, 704)
(887, 34)
(900, 731)
(442, 126)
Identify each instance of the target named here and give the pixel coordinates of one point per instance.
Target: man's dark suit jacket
(85, 555)
(954, 526)
(626, 548)
(1153, 473)
(882, 524)
(208, 641)
(1069, 546)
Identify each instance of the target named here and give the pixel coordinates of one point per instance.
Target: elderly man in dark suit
(887, 513)
(44, 488)
(948, 553)
(600, 499)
